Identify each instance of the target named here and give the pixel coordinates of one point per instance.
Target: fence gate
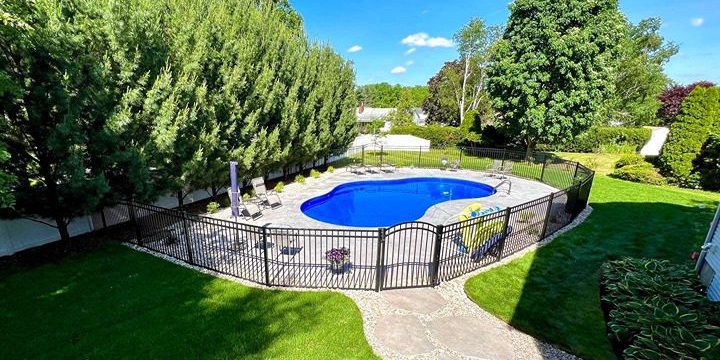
(410, 256)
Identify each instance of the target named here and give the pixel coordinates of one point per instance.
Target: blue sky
(378, 36)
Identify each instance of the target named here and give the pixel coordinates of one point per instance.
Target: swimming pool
(378, 203)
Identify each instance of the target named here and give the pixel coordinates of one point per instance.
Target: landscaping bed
(655, 309)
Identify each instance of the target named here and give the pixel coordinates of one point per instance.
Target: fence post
(542, 173)
(362, 149)
(187, 238)
(436, 255)
(381, 154)
(133, 221)
(547, 216)
(419, 155)
(577, 166)
(505, 233)
(380, 261)
(502, 163)
(265, 256)
(462, 149)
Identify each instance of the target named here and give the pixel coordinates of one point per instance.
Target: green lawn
(553, 293)
(119, 303)
(603, 164)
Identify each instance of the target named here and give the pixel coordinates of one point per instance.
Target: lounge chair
(491, 244)
(355, 166)
(495, 168)
(388, 167)
(506, 169)
(455, 165)
(247, 209)
(267, 197)
(283, 238)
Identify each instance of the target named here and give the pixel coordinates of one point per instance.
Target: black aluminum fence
(413, 254)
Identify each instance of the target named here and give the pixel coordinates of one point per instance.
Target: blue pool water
(388, 202)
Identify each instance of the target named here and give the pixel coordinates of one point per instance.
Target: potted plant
(339, 259)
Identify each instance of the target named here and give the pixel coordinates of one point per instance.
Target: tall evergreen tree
(552, 69)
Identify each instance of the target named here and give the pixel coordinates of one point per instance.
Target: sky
(407, 42)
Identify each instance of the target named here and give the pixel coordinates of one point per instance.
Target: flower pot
(339, 268)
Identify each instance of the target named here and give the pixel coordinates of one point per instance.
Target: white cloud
(398, 70)
(354, 48)
(410, 51)
(423, 39)
(697, 21)
(409, 63)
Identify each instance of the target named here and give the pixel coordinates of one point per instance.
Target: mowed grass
(602, 164)
(121, 304)
(559, 175)
(553, 293)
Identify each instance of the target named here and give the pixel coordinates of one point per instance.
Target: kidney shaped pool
(376, 203)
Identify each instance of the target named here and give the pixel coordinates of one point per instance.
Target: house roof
(369, 114)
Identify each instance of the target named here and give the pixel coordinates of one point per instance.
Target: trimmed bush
(212, 207)
(655, 310)
(643, 173)
(672, 98)
(699, 116)
(707, 164)
(314, 174)
(608, 139)
(330, 170)
(629, 159)
(279, 187)
(300, 179)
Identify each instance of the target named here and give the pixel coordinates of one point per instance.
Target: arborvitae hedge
(699, 116)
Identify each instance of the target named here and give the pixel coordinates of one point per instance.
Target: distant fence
(412, 254)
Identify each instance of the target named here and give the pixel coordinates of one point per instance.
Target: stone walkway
(443, 323)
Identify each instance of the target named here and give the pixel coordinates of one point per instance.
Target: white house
(708, 265)
(366, 115)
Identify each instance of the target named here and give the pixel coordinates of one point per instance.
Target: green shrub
(439, 136)
(279, 187)
(300, 179)
(247, 196)
(699, 116)
(707, 164)
(314, 174)
(212, 207)
(629, 159)
(608, 139)
(655, 310)
(330, 170)
(642, 173)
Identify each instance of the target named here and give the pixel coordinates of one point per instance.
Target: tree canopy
(639, 77)
(135, 98)
(384, 95)
(552, 69)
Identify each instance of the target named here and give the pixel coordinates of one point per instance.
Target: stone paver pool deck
(295, 194)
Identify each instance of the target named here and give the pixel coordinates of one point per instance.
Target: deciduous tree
(552, 69)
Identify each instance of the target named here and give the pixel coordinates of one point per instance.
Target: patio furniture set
(252, 207)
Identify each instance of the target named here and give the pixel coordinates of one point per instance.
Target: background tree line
(546, 82)
(384, 95)
(110, 99)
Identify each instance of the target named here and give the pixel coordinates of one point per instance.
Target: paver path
(443, 323)
(656, 142)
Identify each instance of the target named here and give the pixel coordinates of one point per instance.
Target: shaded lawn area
(553, 293)
(603, 164)
(118, 303)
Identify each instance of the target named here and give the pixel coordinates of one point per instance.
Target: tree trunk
(530, 147)
(62, 227)
(464, 85)
(180, 198)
